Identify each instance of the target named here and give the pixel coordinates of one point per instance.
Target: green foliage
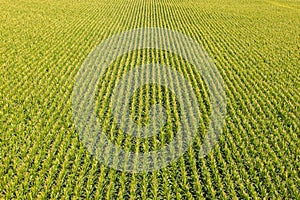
(254, 44)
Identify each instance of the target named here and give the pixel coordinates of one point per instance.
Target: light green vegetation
(254, 44)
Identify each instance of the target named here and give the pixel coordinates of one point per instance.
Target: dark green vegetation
(254, 44)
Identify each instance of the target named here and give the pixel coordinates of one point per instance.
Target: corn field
(50, 74)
